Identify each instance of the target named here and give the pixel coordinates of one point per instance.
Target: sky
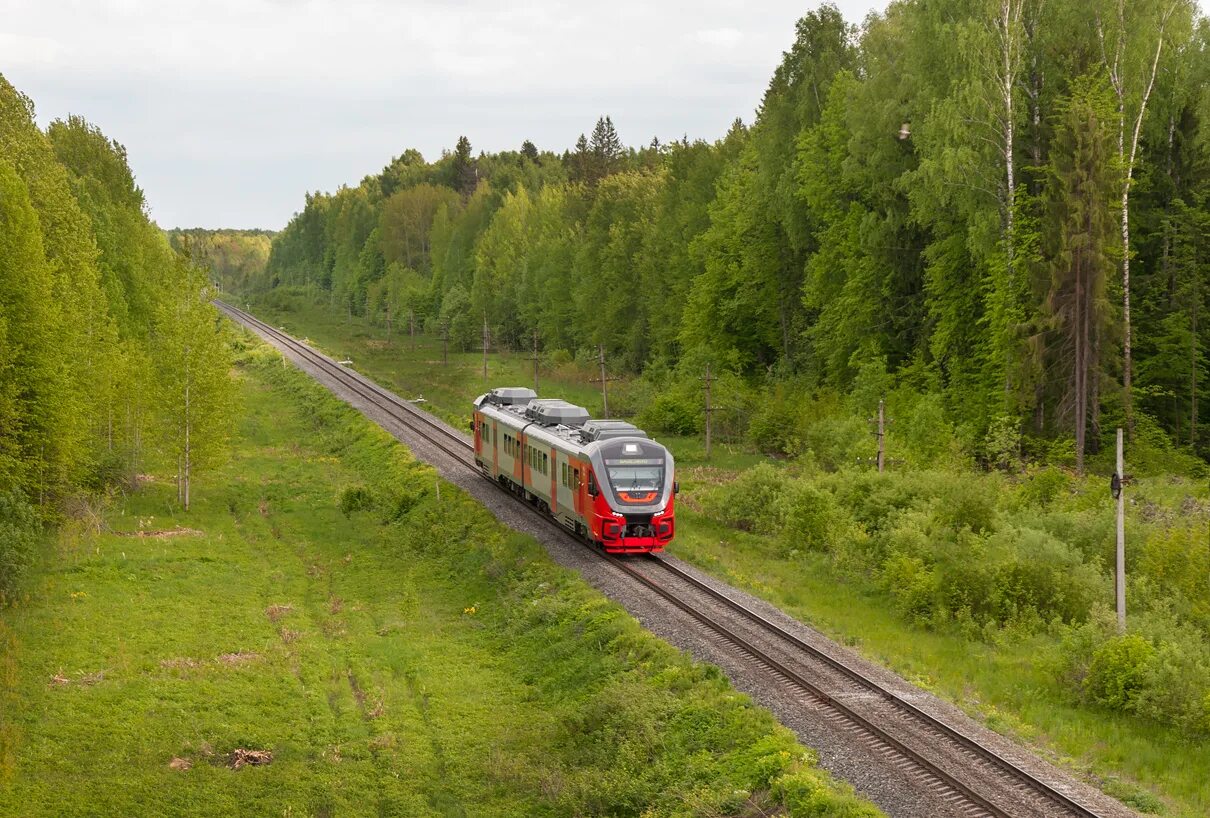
(231, 110)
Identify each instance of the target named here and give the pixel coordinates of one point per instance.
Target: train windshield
(636, 471)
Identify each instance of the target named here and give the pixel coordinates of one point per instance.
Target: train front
(635, 498)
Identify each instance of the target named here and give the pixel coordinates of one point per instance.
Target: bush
(963, 502)
(674, 413)
(355, 498)
(840, 441)
(811, 518)
(1043, 486)
(750, 501)
(18, 534)
(1177, 560)
(1119, 671)
(1176, 683)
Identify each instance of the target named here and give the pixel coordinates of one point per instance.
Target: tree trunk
(1118, 82)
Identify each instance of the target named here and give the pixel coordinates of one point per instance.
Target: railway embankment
(336, 630)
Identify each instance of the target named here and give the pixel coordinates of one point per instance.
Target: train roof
(555, 417)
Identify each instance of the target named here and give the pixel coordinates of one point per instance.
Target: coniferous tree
(464, 175)
(1082, 179)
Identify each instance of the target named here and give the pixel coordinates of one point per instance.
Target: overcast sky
(231, 109)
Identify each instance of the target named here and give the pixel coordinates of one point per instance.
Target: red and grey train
(606, 480)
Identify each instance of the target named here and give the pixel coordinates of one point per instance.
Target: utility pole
(604, 379)
(1116, 487)
(882, 421)
(486, 340)
(709, 409)
(534, 358)
(412, 327)
(445, 343)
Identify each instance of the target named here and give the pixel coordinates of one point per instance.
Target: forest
(110, 354)
(1013, 228)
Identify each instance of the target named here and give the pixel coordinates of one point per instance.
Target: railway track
(962, 773)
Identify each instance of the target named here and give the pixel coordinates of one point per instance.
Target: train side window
(575, 479)
(545, 470)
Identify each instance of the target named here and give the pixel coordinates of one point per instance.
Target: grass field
(331, 631)
(1008, 682)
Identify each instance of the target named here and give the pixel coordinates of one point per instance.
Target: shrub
(750, 501)
(1176, 683)
(1044, 486)
(811, 518)
(18, 533)
(1178, 561)
(355, 498)
(912, 585)
(1036, 574)
(1118, 671)
(840, 441)
(963, 502)
(674, 413)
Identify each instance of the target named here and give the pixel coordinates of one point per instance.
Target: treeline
(1001, 202)
(234, 257)
(109, 349)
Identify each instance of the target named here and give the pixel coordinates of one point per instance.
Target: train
(606, 481)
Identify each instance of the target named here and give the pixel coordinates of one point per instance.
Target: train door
(495, 430)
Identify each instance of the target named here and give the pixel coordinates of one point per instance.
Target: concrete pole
(535, 359)
(1120, 574)
(709, 410)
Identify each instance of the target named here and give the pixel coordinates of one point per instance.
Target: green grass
(411, 657)
(1007, 682)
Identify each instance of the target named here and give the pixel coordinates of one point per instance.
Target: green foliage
(751, 502)
(18, 534)
(355, 498)
(1118, 671)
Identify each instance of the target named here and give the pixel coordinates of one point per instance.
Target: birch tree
(1132, 38)
(195, 393)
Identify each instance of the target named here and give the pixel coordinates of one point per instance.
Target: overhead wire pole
(534, 358)
(881, 422)
(1116, 485)
(604, 379)
(709, 409)
(445, 343)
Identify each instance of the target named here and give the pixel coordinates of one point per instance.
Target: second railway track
(963, 774)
